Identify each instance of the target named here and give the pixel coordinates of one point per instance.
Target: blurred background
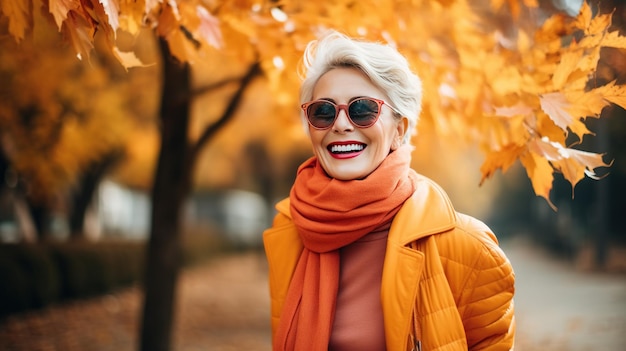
(79, 148)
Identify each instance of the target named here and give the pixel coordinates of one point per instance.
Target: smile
(338, 149)
(345, 150)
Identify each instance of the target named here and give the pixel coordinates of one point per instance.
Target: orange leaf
(557, 107)
(512, 111)
(569, 61)
(111, 9)
(131, 15)
(128, 59)
(209, 28)
(614, 40)
(18, 13)
(574, 164)
(552, 29)
(80, 33)
(539, 172)
(508, 81)
(61, 8)
(502, 159)
(613, 93)
(586, 104)
(167, 22)
(599, 24)
(584, 17)
(589, 62)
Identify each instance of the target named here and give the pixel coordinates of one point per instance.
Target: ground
(224, 305)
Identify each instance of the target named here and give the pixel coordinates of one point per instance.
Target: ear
(401, 130)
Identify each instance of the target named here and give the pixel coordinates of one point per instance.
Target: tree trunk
(81, 198)
(170, 187)
(40, 215)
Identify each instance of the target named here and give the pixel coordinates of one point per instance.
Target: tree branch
(211, 130)
(210, 87)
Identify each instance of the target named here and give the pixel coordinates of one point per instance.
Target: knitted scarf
(329, 215)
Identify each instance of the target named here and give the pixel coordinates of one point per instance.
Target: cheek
(316, 137)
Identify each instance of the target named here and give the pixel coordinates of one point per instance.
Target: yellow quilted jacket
(445, 263)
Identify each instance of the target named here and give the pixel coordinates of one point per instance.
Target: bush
(14, 292)
(34, 276)
(38, 264)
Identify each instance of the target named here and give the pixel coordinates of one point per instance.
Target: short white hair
(386, 68)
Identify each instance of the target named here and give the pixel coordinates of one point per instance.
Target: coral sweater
(358, 323)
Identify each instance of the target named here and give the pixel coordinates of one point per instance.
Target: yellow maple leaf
(613, 93)
(573, 164)
(167, 22)
(553, 29)
(507, 81)
(577, 164)
(583, 19)
(502, 159)
(80, 34)
(512, 111)
(132, 15)
(589, 62)
(586, 103)
(61, 8)
(557, 107)
(111, 9)
(18, 13)
(540, 174)
(614, 40)
(599, 24)
(128, 59)
(569, 62)
(209, 28)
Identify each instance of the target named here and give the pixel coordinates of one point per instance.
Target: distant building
(122, 211)
(239, 215)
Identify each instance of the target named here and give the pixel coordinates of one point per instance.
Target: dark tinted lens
(321, 114)
(363, 112)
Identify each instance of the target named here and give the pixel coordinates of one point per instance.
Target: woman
(366, 254)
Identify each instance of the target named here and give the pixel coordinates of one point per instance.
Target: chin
(348, 175)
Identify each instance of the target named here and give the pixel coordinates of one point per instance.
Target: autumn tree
(518, 95)
(63, 124)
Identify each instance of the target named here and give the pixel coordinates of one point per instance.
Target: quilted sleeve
(485, 302)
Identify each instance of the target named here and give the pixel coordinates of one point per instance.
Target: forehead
(342, 84)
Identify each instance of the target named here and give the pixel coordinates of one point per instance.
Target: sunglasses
(362, 112)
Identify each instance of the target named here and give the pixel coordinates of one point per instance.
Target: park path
(223, 305)
(559, 307)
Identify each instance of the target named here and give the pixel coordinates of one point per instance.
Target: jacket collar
(428, 211)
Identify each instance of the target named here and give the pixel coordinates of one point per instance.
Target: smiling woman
(366, 254)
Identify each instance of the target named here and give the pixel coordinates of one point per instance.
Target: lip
(345, 155)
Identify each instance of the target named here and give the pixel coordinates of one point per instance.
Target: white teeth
(347, 148)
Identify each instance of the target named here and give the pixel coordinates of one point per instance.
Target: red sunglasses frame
(344, 107)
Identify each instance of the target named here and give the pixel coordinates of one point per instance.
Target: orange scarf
(330, 214)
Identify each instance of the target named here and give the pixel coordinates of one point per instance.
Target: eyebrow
(349, 101)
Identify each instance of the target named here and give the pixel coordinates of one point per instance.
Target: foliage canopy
(496, 73)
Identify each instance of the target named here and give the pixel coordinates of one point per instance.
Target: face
(362, 149)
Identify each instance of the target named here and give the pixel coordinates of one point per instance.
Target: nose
(342, 122)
